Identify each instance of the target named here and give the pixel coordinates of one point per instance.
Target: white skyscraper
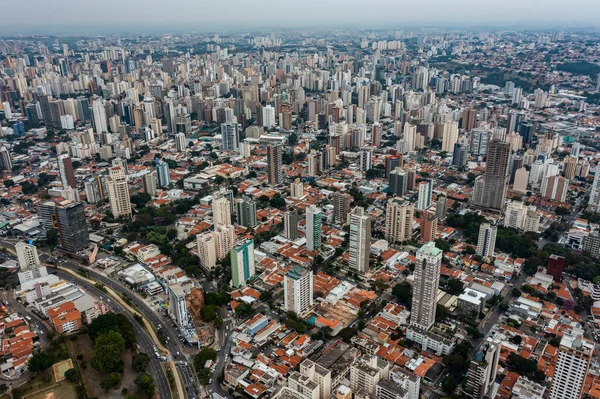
(118, 192)
(313, 228)
(574, 355)
(298, 289)
(297, 189)
(99, 117)
(449, 136)
(180, 142)
(594, 202)
(427, 277)
(425, 194)
(177, 306)
(487, 240)
(221, 208)
(360, 240)
(29, 263)
(268, 116)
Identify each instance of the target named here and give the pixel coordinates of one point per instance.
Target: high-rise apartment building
(360, 240)
(149, 182)
(69, 219)
(594, 202)
(556, 188)
(319, 375)
(490, 189)
(180, 142)
(27, 255)
(297, 189)
(574, 356)
(555, 267)
(290, 225)
(482, 371)
(274, 163)
(5, 159)
(366, 156)
(65, 169)
(313, 228)
(29, 263)
(366, 372)
(118, 192)
(298, 289)
(441, 208)
(515, 215)
(162, 173)
(207, 249)
(341, 207)
(521, 180)
(427, 276)
(429, 224)
(177, 306)
(487, 240)
(221, 209)
(532, 220)
(246, 212)
(242, 263)
(398, 182)
(230, 136)
(591, 243)
(268, 116)
(398, 221)
(407, 380)
(425, 194)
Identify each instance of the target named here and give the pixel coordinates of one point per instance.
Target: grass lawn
(42, 384)
(64, 390)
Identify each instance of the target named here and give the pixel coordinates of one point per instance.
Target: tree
(145, 382)
(208, 313)
(454, 362)
(28, 188)
(140, 199)
(111, 381)
(374, 173)
(243, 310)
(140, 362)
(442, 244)
(52, 237)
(441, 313)
(292, 139)
(277, 201)
(41, 361)
(402, 291)
(9, 183)
(3, 388)
(347, 333)
(72, 374)
(107, 351)
(516, 339)
(470, 250)
(112, 322)
(455, 286)
(516, 292)
(449, 385)
(522, 365)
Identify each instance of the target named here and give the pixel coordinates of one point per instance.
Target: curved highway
(145, 343)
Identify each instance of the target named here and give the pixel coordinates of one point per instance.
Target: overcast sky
(94, 16)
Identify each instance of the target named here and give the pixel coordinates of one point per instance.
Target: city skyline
(199, 16)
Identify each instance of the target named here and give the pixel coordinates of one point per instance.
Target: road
(146, 344)
(179, 353)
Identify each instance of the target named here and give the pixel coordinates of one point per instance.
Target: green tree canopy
(107, 351)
